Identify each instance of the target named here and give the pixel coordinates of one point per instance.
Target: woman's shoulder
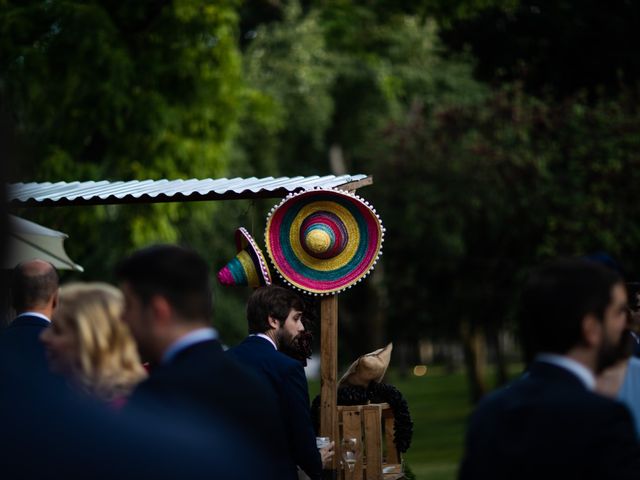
(634, 364)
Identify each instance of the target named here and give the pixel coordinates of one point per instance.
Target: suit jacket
(287, 379)
(21, 342)
(202, 379)
(46, 428)
(548, 425)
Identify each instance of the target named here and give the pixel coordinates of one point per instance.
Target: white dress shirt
(33, 314)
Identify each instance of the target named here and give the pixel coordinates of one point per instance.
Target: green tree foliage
(121, 90)
(288, 103)
(558, 46)
(491, 189)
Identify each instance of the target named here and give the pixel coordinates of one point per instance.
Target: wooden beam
(329, 373)
(353, 186)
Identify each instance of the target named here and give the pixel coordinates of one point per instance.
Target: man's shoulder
(27, 321)
(253, 349)
(24, 329)
(532, 396)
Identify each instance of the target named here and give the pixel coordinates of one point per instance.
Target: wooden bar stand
(372, 426)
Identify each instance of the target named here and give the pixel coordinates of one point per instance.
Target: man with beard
(274, 315)
(549, 423)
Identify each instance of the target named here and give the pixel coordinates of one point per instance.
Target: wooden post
(329, 373)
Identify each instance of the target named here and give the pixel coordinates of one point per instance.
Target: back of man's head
(33, 285)
(556, 299)
(178, 274)
(273, 301)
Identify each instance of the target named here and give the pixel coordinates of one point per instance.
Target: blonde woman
(90, 345)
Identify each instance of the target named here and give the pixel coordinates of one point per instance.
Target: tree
(490, 190)
(553, 46)
(112, 90)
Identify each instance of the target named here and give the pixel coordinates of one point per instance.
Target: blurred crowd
(106, 381)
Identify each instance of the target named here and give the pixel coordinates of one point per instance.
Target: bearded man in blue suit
(550, 423)
(274, 315)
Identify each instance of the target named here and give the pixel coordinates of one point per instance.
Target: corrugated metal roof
(155, 191)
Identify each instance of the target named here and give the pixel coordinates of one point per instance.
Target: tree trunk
(502, 374)
(473, 342)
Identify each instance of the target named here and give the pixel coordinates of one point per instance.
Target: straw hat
(368, 368)
(248, 267)
(323, 241)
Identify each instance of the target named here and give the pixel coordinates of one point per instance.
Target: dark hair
(556, 299)
(175, 273)
(33, 287)
(272, 301)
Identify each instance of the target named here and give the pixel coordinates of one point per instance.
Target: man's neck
(584, 357)
(274, 338)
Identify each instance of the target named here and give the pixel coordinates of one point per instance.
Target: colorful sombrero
(323, 241)
(249, 266)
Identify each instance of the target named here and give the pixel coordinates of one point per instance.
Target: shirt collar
(583, 373)
(266, 337)
(34, 314)
(195, 336)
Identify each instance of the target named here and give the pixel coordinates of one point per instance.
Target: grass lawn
(439, 405)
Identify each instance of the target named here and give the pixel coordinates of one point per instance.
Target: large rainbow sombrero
(323, 241)
(249, 266)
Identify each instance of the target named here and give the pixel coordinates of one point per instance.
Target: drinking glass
(349, 447)
(322, 442)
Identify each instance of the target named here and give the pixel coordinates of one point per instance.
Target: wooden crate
(373, 425)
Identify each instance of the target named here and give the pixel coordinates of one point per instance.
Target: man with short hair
(168, 307)
(274, 315)
(34, 297)
(549, 423)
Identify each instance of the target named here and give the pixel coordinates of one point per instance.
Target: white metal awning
(154, 191)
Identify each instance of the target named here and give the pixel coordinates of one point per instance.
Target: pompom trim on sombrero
(249, 267)
(323, 241)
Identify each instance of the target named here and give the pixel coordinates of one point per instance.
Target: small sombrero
(249, 266)
(368, 368)
(323, 241)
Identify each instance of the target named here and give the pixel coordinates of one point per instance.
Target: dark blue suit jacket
(286, 377)
(21, 341)
(548, 425)
(48, 431)
(202, 379)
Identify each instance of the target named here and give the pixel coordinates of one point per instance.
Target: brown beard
(299, 348)
(611, 354)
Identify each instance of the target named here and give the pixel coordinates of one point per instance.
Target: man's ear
(161, 309)
(54, 299)
(273, 322)
(592, 330)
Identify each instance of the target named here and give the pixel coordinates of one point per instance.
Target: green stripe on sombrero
(333, 275)
(237, 271)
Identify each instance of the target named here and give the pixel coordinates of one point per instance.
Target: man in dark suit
(274, 315)
(168, 308)
(549, 423)
(34, 296)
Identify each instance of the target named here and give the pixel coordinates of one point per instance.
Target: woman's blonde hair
(109, 366)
